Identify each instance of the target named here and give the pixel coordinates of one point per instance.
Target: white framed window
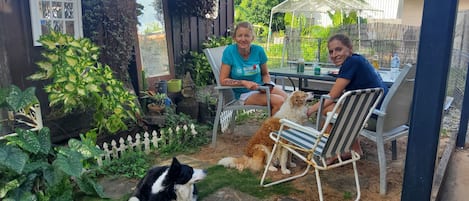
(59, 15)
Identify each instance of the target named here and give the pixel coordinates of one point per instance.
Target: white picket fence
(150, 142)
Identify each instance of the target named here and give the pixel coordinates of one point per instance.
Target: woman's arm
(335, 92)
(265, 73)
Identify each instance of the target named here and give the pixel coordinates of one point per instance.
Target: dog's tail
(232, 162)
(134, 199)
(256, 162)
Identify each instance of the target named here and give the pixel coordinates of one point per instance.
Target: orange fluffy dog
(260, 145)
(257, 150)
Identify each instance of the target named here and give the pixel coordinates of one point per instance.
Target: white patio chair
(227, 104)
(392, 119)
(314, 146)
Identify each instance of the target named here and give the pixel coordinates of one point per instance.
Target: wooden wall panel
(183, 34)
(189, 33)
(21, 55)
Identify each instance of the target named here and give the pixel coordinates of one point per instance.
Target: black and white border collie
(169, 183)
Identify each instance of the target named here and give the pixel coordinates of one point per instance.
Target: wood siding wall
(185, 33)
(18, 55)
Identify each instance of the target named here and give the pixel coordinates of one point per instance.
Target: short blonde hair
(246, 25)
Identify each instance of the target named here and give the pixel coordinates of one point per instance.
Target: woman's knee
(276, 100)
(278, 91)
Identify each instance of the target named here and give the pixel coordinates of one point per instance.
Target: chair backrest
(214, 59)
(353, 109)
(397, 103)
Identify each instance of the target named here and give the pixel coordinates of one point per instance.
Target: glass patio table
(320, 84)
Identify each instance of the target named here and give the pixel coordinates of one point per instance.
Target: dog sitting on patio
(295, 108)
(260, 145)
(175, 182)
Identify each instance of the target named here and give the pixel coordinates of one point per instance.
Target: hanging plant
(196, 8)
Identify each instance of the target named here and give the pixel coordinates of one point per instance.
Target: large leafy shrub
(14, 99)
(81, 83)
(32, 169)
(197, 64)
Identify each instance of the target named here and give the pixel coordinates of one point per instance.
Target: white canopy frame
(303, 7)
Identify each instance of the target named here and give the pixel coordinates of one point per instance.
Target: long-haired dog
(260, 145)
(169, 183)
(257, 150)
(294, 108)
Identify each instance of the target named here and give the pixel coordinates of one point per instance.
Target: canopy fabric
(321, 6)
(308, 7)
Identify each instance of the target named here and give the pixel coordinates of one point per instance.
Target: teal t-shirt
(244, 69)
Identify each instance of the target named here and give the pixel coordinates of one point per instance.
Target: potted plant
(155, 102)
(207, 106)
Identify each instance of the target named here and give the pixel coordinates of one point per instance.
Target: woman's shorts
(244, 96)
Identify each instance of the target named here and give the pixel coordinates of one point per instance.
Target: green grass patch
(245, 181)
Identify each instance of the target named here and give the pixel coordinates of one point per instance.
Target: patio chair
(314, 146)
(392, 119)
(227, 104)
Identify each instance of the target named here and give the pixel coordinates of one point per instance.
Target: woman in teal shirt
(245, 64)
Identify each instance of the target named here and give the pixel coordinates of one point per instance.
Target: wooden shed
(18, 53)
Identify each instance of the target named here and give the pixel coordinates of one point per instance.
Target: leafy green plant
(14, 99)
(198, 8)
(217, 41)
(131, 164)
(197, 64)
(204, 96)
(110, 24)
(180, 140)
(32, 169)
(81, 83)
(157, 98)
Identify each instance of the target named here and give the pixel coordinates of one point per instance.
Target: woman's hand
(310, 111)
(250, 84)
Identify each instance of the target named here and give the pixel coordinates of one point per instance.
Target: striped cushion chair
(313, 146)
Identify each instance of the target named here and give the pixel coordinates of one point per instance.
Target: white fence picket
(149, 142)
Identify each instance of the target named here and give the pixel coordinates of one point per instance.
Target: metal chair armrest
(379, 112)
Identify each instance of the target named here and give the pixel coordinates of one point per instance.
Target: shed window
(58, 15)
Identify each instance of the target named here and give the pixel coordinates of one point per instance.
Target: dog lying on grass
(169, 183)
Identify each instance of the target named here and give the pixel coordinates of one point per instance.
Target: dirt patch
(338, 184)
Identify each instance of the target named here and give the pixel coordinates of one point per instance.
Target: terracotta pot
(155, 108)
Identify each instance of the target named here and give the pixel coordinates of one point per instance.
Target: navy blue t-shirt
(361, 74)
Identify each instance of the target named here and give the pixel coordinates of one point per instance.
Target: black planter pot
(188, 106)
(207, 113)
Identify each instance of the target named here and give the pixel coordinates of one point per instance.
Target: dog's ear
(175, 165)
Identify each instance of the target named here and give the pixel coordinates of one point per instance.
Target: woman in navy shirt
(355, 73)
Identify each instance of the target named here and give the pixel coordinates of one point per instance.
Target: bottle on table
(316, 68)
(301, 66)
(375, 62)
(395, 64)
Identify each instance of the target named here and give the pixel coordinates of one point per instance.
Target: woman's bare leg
(276, 101)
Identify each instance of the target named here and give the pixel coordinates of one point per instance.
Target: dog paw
(273, 169)
(286, 171)
(292, 164)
